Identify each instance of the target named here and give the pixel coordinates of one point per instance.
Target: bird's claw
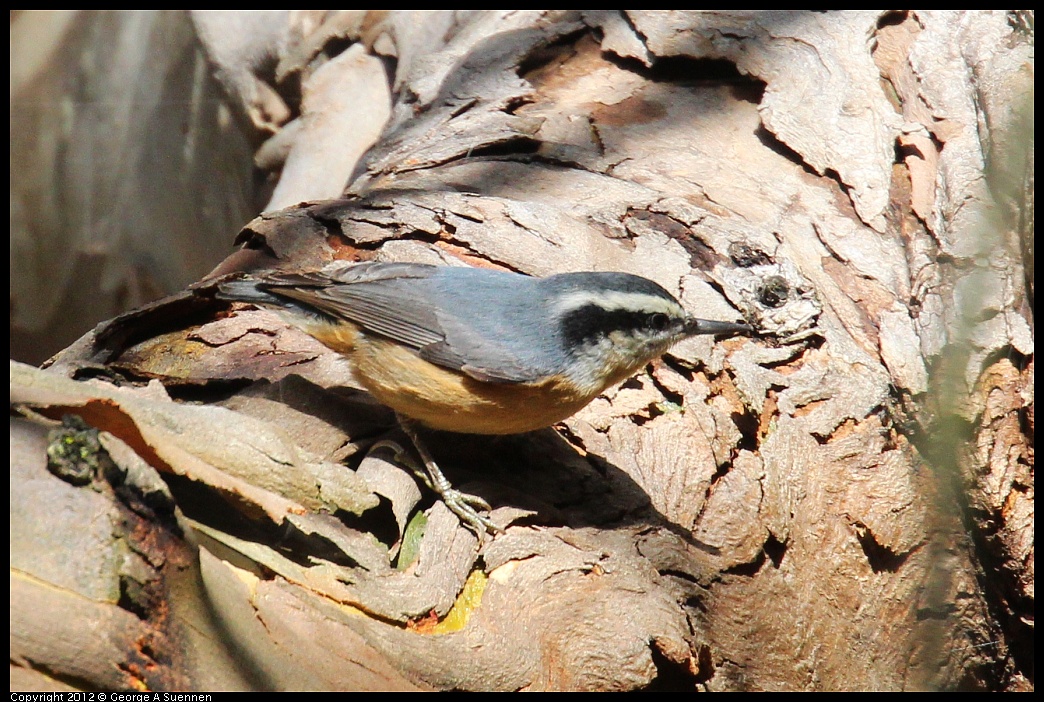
(467, 507)
(462, 504)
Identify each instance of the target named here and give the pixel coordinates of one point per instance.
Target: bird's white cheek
(636, 350)
(612, 360)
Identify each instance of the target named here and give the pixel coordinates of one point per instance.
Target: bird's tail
(246, 290)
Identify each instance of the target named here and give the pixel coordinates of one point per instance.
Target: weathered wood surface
(845, 502)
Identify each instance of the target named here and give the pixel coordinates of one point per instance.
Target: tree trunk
(844, 502)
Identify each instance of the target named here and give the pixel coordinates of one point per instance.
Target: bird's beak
(695, 326)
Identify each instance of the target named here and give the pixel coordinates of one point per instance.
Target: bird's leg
(465, 506)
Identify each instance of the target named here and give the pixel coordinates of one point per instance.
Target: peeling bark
(843, 503)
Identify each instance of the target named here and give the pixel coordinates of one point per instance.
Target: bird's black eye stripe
(589, 323)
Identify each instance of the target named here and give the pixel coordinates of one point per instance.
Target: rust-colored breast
(444, 399)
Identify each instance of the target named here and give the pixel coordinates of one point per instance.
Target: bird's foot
(467, 507)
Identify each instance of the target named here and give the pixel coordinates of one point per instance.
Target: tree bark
(843, 503)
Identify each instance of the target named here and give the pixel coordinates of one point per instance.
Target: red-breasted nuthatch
(479, 351)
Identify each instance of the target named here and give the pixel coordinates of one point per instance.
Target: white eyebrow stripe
(618, 300)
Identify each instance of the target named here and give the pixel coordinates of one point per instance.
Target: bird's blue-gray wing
(402, 302)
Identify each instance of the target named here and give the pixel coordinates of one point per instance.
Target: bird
(476, 350)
